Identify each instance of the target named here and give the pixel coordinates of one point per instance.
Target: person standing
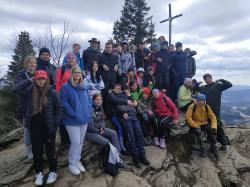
(191, 65)
(76, 52)
(213, 91)
(91, 54)
(108, 63)
(25, 76)
(164, 64)
(77, 114)
(43, 114)
(43, 63)
(126, 60)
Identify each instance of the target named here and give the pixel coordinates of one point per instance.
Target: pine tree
(21, 51)
(134, 25)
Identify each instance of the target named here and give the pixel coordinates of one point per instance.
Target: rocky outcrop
(179, 165)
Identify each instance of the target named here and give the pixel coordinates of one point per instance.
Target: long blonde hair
(27, 59)
(73, 69)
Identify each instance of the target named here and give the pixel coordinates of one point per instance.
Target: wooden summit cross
(170, 19)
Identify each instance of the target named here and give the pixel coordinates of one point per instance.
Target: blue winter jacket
(79, 60)
(77, 104)
(180, 62)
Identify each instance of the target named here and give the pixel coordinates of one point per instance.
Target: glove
(214, 131)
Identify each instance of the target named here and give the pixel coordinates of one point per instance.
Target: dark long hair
(40, 97)
(98, 75)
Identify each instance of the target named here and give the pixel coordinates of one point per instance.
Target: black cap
(178, 44)
(43, 50)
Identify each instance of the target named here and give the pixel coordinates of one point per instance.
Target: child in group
(150, 78)
(146, 114)
(43, 114)
(131, 77)
(94, 77)
(135, 91)
(96, 131)
(140, 78)
(202, 120)
(133, 128)
(166, 112)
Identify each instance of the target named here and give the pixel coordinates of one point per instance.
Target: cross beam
(170, 19)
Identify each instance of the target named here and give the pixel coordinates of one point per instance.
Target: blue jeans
(135, 137)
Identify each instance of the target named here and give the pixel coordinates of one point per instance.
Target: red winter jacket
(163, 106)
(61, 80)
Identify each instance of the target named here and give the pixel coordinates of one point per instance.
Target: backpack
(195, 106)
(108, 159)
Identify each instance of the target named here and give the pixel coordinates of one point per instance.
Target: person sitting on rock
(185, 98)
(96, 131)
(146, 115)
(202, 120)
(136, 92)
(166, 113)
(133, 128)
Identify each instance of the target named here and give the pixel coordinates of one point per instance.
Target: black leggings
(161, 126)
(39, 138)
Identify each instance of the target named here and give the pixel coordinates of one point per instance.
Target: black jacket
(52, 112)
(111, 61)
(23, 77)
(163, 67)
(89, 55)
(48, 67)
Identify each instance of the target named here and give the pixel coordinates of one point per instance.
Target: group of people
(140, 90)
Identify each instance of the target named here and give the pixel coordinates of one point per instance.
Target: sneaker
(74, 170)
(39, 179)
(136, 162)
(80, 167)
(162, 143)
(29, 152)
(146, 142)
(51, 178)
(156, 141)
(144, 160)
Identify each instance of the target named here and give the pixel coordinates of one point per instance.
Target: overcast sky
(217, 30)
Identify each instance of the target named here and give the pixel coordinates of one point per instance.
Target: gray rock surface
(178, 165)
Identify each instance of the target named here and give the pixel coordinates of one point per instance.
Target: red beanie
(40, 73)
(146, 91)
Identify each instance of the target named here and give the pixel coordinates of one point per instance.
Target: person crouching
(202, 121)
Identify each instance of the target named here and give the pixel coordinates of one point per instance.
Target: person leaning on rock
(202, 120)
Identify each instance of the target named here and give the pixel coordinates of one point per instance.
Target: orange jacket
(200, 116)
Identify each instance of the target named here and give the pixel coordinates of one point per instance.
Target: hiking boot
(74, 170)
(150, 141)
(214, 151)
(144, 160)
(136, 162)
(39, 179)
(51, 178)
(146, 142)
(162, 143)
(156, 141)
(224, 147)
(203, 152)
(80, 167)
(125, 153)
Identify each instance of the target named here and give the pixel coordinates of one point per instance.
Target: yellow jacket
(200, 116)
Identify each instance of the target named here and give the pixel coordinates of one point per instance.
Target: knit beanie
(43, 50)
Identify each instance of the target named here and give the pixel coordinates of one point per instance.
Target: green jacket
(136, 95)
(213, 93)
(184, 96)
